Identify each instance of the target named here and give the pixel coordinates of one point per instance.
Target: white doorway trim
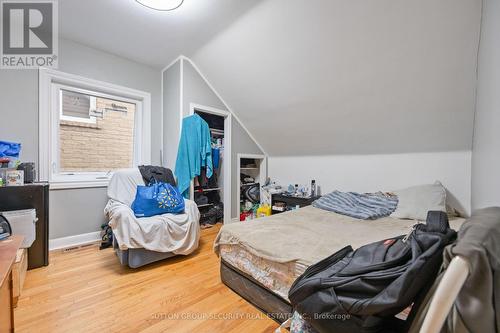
(227, 154)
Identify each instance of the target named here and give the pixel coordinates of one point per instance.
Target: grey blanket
(477, 307)
(361, 206)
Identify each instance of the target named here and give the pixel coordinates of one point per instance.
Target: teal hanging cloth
(195, 152)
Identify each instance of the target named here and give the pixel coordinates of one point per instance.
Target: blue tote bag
(157, 199)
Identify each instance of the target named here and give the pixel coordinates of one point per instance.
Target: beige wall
(103, 146)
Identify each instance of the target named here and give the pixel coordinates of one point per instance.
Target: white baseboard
(76, 240)
(234, 220)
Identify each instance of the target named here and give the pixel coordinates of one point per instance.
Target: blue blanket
(357, 205)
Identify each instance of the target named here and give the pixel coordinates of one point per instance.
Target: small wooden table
(8, 251)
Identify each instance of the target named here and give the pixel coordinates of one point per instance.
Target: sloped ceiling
(313, 77)
(130, 30)
(350, 77)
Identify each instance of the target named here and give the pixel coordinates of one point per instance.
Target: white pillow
(415, 202)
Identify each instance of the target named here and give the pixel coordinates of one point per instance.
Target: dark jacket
(158, 173)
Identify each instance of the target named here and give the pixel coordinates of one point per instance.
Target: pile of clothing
(194, 153)
(199, 159)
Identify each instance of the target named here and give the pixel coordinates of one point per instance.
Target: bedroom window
(93, 128)
(95, 134)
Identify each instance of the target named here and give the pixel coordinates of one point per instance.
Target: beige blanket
(309, 234)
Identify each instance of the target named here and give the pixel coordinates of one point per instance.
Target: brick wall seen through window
(105, 145)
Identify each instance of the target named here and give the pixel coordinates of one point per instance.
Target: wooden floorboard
(87, 290)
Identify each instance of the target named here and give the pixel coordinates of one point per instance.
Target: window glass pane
(105, 144)
(75, 104)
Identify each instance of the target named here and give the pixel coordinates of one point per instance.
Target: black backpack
(363, 290)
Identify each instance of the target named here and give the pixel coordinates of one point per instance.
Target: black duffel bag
(363, 290)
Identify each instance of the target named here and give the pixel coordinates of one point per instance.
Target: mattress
(275, 276)
(275, 307)
(299, 239)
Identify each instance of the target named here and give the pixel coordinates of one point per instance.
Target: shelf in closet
(218, 124)
(205, 205)
(217, 132)
(249, 184)
(249, 165)
(207, 190)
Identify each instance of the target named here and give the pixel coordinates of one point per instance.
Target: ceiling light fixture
(163, 5)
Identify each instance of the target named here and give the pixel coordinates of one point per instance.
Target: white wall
(350, 77)
(82, 60)
(19, 110)
(486, 147)
(171, 85)
(74, 211)
(368, 173)
(80, 211)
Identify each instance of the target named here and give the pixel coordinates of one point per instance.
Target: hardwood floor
(87, 290)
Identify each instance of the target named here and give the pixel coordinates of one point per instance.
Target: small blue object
(215, 157)
(157, 199)
(10, 149)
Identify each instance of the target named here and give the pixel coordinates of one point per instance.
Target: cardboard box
(14, 178)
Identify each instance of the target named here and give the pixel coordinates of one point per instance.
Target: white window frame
(49, 115)
(92, 106)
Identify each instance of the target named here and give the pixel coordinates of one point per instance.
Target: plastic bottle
(313, 188)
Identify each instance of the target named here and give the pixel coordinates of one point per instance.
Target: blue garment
(10, 149)
(216, 157)
(195, 152)
(360, 206)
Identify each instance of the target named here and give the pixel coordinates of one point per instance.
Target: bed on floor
(260, 259)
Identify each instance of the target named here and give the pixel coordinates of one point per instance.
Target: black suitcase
(362, 290)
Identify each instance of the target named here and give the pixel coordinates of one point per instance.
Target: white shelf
(207, 190)
(257, 172)
(205, 205)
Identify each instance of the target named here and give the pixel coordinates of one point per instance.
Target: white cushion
(416, 201)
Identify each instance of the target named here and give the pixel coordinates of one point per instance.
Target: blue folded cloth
(10, 149)
(215, 157)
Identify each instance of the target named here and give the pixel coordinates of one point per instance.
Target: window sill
(79, 184)
(79, 124)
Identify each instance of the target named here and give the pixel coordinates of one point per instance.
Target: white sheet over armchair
(176, 234)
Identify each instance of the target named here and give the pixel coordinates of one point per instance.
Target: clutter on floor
(106, 237)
